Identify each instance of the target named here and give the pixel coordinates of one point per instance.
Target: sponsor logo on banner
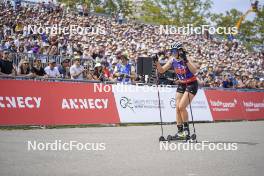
(225, 105)
(84, 103)
(135, 104)
(126, 103)
(252, 104)
(20, 102)
(221, 106)
(173, 103)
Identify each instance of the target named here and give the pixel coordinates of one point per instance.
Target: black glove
(183, 56)
(155, 58)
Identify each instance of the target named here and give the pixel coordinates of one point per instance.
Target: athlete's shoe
(180, 135)
(186, 133)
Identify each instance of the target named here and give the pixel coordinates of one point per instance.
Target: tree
(230, 18)
(177, 12)
(152, 13)
(259, 28)
(250, 32)
(91, 4)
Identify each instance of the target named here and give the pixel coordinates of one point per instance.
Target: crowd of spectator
(112, 53)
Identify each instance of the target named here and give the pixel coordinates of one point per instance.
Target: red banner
(233, 105)
(252, 104)
(55, 103)
(224, 105)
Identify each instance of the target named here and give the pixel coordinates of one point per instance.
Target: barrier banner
(60, 103)
(55, 103)
(140, 104)
(225, 105)
(252, 104)
(234, 105)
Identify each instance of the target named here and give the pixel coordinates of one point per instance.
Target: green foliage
(259, 28)
(180, 13)
(176, 12)
(250, 32)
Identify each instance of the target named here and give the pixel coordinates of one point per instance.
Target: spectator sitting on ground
(24, 68)
(37, 69)
(77, 71)
(6, 65)
(51, 70)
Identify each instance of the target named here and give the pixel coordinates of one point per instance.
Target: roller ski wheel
(170, 138)
(162, 139)
(193, 138)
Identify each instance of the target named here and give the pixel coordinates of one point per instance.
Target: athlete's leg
(180, 91)
(178, 114)
(184, 102)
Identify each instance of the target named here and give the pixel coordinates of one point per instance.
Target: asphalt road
(134, 151)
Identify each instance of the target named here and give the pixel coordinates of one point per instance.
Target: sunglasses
(174, 51)
(26, 63)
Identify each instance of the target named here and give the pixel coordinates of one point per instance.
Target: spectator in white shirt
(51, 70)
(77, 71)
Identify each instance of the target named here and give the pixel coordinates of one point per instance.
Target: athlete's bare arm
(164, 68)
(192, 67)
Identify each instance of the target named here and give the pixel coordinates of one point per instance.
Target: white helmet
(176, 45)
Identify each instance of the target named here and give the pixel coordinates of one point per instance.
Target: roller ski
(182, 135)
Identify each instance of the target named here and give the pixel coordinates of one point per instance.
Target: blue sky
(241, 5)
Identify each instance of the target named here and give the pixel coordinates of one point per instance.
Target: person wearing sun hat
(124, 71)
(64, 68)
(37, 69)
(51, 70)
(98, 72)
(77, 70)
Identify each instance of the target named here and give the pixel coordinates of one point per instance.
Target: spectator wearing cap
(6, 65)
(64, 68)
(98, 72)
(37, 69)
(106, 70)
(240, 83)
(227, 82)
(124, 72)
(51, 70)
(24, 68)
(77, 70)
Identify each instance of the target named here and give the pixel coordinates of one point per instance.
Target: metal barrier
(16, 57)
